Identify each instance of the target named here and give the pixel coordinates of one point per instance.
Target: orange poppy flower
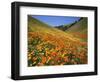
(43, 59)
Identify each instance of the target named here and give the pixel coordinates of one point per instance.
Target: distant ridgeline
(67, 26)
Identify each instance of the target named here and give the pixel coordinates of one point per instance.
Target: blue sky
(56, 20)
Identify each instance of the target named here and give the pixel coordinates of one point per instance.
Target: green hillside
(33, 24)
(79, 29)
(80, 26)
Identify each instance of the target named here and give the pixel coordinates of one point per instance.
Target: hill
(79, 26)
(79, 29)
(33, 22)
(35, 25)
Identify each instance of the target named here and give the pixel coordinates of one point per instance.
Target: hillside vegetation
(79, 29)
(51, 46)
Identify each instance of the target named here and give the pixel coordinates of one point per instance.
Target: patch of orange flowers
(47, 49)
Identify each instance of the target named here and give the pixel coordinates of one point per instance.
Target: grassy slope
(79, 30)
(80, 26)
(35, 25)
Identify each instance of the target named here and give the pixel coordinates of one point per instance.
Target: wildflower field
(49, 46)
